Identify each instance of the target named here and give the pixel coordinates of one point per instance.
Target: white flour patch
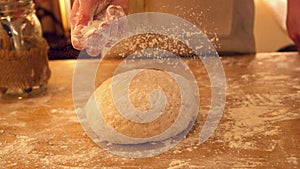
(21, 144)
(70, 112)
(278, 77)
(253, 120)
(293, 160)
(177, 164)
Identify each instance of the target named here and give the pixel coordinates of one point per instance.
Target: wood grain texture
(259, 129)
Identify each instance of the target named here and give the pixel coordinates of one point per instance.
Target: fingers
(101, 6)
(85, 11)
(79, 18)
(108, 32)
(73, 16)
(114, 12)
(98, 40)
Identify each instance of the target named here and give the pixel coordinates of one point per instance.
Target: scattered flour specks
(21, 143)
(253, 121)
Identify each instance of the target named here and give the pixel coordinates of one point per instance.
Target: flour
(293, 160)
(176, 164)
(252, 122)
(279, 77)
(20, 143)
(98, 33)
(12, 106)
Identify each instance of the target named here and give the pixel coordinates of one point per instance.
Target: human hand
(89, 16)
(293, 21)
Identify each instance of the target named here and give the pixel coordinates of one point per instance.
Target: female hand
(84, 12)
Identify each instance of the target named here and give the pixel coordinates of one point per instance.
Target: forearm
(293, 21)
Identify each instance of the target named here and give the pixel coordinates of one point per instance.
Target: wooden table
(260, 127)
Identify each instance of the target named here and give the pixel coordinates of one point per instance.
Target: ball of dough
(111, 125)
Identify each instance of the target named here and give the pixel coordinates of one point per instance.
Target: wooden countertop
(260, 127)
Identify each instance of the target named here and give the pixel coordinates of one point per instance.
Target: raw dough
(110, 125)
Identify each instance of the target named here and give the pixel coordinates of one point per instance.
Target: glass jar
(24, 70)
